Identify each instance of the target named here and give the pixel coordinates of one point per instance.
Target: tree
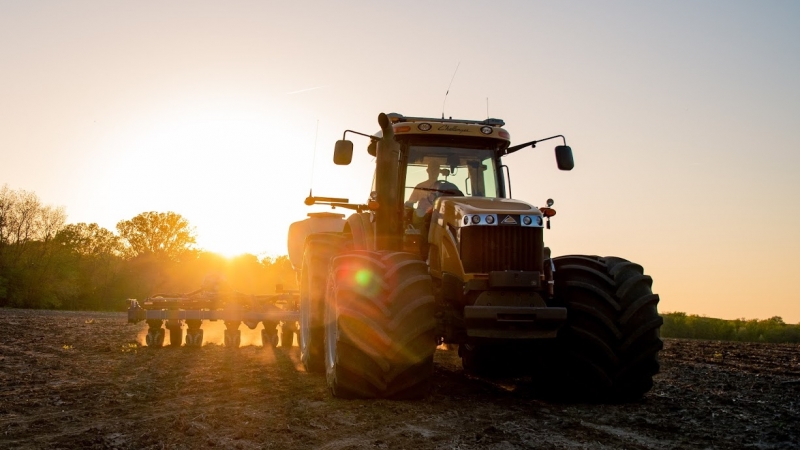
(93, 262)
(777, 320)
(23, 218)
(28, 252)
(681, 325)
(90, 240)
(166, 235)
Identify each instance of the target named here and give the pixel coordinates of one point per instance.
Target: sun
(237, 172)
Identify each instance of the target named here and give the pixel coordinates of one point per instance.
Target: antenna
(487, 107)
(448, 87)
(313, 159)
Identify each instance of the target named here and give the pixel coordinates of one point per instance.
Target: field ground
(83, 380)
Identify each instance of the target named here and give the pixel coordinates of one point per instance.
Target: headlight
(466, 220)
(490, 219)
(539, 220)
(476, 219)
(527, 220)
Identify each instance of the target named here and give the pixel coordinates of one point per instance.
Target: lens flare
(363, 277)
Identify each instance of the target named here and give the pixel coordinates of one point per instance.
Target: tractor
(439, 254)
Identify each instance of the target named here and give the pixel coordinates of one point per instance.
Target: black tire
(269, 335)
(269, 339)
(233, 339)
(155, 338)
(194, 338)
(380, 326)
(175, 336)
(287, 334)
(608, 348)
(320, 248)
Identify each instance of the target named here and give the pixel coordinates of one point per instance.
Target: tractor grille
(486, 249)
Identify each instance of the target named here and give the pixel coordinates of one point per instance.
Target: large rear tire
(608, 348)
(319, 250)
(380, 326)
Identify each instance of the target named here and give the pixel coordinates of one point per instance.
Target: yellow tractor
(440, 254)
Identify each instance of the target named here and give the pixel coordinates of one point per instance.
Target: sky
(683, 116)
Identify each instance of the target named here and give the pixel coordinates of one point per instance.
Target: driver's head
(433, 170)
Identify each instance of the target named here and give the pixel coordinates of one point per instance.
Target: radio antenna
(313, 159)
(448, 87)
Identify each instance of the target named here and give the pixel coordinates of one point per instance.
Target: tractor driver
(422, 193)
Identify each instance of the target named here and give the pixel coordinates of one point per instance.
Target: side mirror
(564, 157)
(343, 153)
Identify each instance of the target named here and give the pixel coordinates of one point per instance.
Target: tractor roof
(488, 128)
(399, 118)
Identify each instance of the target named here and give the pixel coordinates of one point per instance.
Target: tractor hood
(482, 211)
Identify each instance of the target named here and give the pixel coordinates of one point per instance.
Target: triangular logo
(509, 221)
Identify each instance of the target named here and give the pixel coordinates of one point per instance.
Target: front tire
(319, 250)
(608, 348)
(380, 326)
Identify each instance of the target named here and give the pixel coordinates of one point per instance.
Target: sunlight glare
(235, 174)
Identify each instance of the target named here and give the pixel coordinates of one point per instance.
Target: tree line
(774, 329)
(48, 263)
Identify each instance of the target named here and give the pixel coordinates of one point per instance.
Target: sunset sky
(684, 118)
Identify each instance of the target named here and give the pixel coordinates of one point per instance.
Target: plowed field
(84, 380)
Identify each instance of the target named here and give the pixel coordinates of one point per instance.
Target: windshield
(458, 171)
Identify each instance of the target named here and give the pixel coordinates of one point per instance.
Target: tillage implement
(215, 300)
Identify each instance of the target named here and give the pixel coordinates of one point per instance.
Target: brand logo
(453, 129)
(509, 221)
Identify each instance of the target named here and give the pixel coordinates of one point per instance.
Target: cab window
(450, 171)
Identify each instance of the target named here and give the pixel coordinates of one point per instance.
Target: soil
(85, 380)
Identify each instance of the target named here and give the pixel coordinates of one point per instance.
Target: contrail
(307, 89)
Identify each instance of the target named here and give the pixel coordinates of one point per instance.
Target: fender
(316, 223)
(362, 231)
